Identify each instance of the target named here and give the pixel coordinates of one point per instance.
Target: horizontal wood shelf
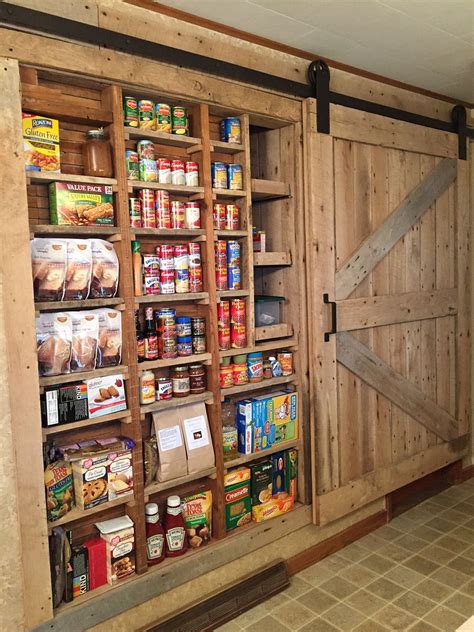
(255, 386)
(154, 488)
(162, 364)
(221, 147)
(45, 306)
(168, 232)
(66, 111)
(43, 177)
(269, 189)
(271, 259)
(273, 331)
(231, 233)
(228, 193)
(92, 594)
(289, 343)
(65, 230)
(176, 402)
(179, 189)
(232, 293)
(122, 369)
(248, 458)
(172, 298)
(78, 514)
(124, 415)
(160, 138)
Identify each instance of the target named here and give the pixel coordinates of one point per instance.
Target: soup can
(230, 130)
(235, 178)
(220, 249)
(151, 284)
(146, 114)
(181, 257)
(146, 149)
(238, 336)
(130, 112)
(163, 388)
(232, 217)
(195, 279)
(167, 282)
(147, 203)
(237, 311)
(192, 215)
(179, 120)
(219, 216)
(177, 172)
(131, 160)
(233, 253)
(191, 174)
(177, 214)
(162, 209)
(221, 278)
(223, 337)
(219, 175)
(166, 252)
(233, 278)
(163, 117)
(148, 170)
(194, 251)
(164, 170)
(223, 313)
(134, 210)
(181, 281)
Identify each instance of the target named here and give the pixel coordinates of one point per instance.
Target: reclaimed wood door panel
(387, 234)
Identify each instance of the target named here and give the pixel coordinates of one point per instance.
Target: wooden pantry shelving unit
(263, 203)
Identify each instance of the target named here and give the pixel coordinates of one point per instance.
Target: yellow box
(278, 505)
(41, 143)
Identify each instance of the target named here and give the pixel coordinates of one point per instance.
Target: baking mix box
(119, 536)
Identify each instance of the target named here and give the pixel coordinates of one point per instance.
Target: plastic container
(267, 310)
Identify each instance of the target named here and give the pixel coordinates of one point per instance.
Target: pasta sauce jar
(197, 379)
(180, 380)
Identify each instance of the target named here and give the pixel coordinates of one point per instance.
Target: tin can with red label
(192, 215)
(219, 216)
(191, 174)
(162, 209)
(238, 336)
(221, 278)
(237, 311)
(181, 257)
(166, 253)
(151, 284)
(220, 249)
(195, 279)
(177, 172)
(223, 336)
(164, 170)
(223, 313)
(146, 149)
(194, 251)
(181, 281)
(164, 387)
(135, 212)
(147, 203)
(177, 214)
(232, 221)
(167, 282)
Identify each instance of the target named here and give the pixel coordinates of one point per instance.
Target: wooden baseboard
(310, 556)
(465, 474)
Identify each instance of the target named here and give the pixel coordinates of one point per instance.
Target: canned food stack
(226, 217)
(253, 367)
(226, 176)
(231, 324)
(144, 165)
(154, 209)
(173, 270)
(227, 257)
(230, 130)
(182, 381)
(161, 117)
(167, 336)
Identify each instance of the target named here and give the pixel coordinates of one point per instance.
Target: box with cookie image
(80, 204)
(119, 536)
(106, 395)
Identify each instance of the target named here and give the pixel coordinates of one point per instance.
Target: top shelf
(269, 190)
(41, 177)
(161, 138)
(221, 147)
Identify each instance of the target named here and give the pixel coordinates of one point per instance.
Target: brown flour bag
(197, 437)
(171, 451)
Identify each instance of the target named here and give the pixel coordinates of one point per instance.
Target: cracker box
(291, 473)
(80, 204)
(41, 143)
(278, 483)
(276, 506)
(261, 482)
(284, 405)
(237, 498)
(119, 536)
(244, 427)
(106, 395)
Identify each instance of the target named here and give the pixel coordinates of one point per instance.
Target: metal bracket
(318, 76)
(458, 116)
(333, 305)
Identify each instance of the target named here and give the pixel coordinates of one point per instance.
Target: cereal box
(119, 536)
(41, 143)
(106, 395)
(278, 505)
(80, 204)
(237, 498)
(284, 413)
(261, 482)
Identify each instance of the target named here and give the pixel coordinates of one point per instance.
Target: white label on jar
(154, 546)
(175, 538)
(196, 432)
(170, 438)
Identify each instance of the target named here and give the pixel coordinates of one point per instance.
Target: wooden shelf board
(78, 514)
(165, 404)
(42, 177)
(262, 526)
(232, 293)
(162, 364)
(154, 488)
(221, 147)
(289, 343)
(180, 189)
(231, 233)
(52, 229)
(171, 298)
(124, 415)
(92, 594)
(273, 331)
(229, 193)
(272, 259)
(269, 189)
(45, 306)
(65, 111)
(168, 232)
(255, 386)
(161, 138)
(247, 458)
(84, 375)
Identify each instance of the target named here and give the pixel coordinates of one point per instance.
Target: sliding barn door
(387, 226)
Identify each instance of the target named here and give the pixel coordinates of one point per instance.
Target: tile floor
(415, 573)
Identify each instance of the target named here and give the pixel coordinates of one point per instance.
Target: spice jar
(180, 380)
(97, 154)
(197, 379)
(255, 366)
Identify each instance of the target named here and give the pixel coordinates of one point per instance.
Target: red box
(97, 562)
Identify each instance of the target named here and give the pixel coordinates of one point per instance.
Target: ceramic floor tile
(231, 626)
(394, 618)
(315, 576)
(411, 543)
(437, 554)
(403, 523)
(451, 543)
(444, 619)
(267, 624)
(358, 575)
(294, 616)
(319, 625)
(275, 601)
(423, 626)
(465, 508)
(370, 626)
(372, 542)
(354, 552)
(385, 589)
(468, 588)
(441, 524)
(469, 523)
(455, 516)
(338, 587)
(297, 587)
(404, 577)
(434, 590)
(246, 618)
(415, 604)
(377, 563)
(394, 552)
(450, 577)
(460, 603)
(333, 563)
(344, 617)
(317, 600)
(421, 565)
(389, 533)
(464, 534)
(432, 507)
(469, 552)
(366, 602)
(426, 533)
(463, 565)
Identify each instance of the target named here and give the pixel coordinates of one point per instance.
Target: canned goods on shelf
(219, 216)
(199, 344)
(162, 208)
(238, 336)
(181, 281)
(146, 149)
(163, 388)
(164, 170)
(221, 278)
(147, 204)
(131, 160)
(233, 278)
(192, 215)
(167, 285)
(135, 212)
(146, 114)
(179, 120)
(194, 252)
(177, 172)
(230, 131)
(163, 117)
(232, 221)
(239, 372)
(130, 111)
(219, 175)
(198, 325)
(197, 379)
(185, 346)
(191, 174)
(285, 358)
(233, 253)
(151, 284)
(148, 170)
(223, 313)
(166, 257)
(151, 265)
(237, 311)
(235, 177)
(177, 214)
(223, 336)
(226, 376)
(183, 326)
(181, 257)
(195, 280)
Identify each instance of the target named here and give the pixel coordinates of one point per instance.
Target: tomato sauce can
(219, 216)
(230, 130)
(147, 202)
(162, 209)
(166, 252)
(237, 311)
(181, 257)
(163, 117)
(221, 278)
(179, 120)
(192, 215)
(220, 249)
(219, 175)
(223, 313)
(135, 212)
(181, 281)
(223, 336)
(163, 388)
(177, 172)
(167, 282)
(191, 174)
(164, 170)
(130, 111)
(146, 114)
(235, 177)
(131, 160)
(177, 214)
(232, 221)
(238, 336)
(146, 149)
(195, 279)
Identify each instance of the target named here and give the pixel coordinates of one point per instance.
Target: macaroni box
(261, 482)
(264, 428)
(291, 473)
(80, 204)
(276, 506)
(284, 413)
(244, 427)
(237, 498)
(278, 482)
(119, 536)
(41, 143)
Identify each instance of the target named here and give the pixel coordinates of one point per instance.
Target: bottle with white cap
(155, 535)
(175, 528)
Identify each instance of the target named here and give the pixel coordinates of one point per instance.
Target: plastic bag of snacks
(85, 334)
(105, 269)
(54, 343)
(79, 268)
(48, 258)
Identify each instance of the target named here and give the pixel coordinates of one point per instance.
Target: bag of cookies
(109, 348)
(85, 335)
(78, 269)
(54, 343)
(105, 269)
(48, 259)
(59, 489)
(172, 461)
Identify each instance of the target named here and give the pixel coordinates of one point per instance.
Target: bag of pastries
(109, 348)
(85, 336)
(78, 269)
(105, 269)
(54, 343)
(48, 258)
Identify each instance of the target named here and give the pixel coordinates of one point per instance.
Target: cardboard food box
(119, 536)
(41, 143)
(278, 462)
(261, 482)
(237, 498)
(106, 395)
(64, 404)
(80, 204)
(264, 428)
(276, 506)
(284, 412)
(96, 550)
(198, 518)
(244, 427)
(291, 473)
(80, 571)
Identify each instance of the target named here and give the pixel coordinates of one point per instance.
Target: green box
(80, 204)
(291, 473)
(237, 498)
(261, 482)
